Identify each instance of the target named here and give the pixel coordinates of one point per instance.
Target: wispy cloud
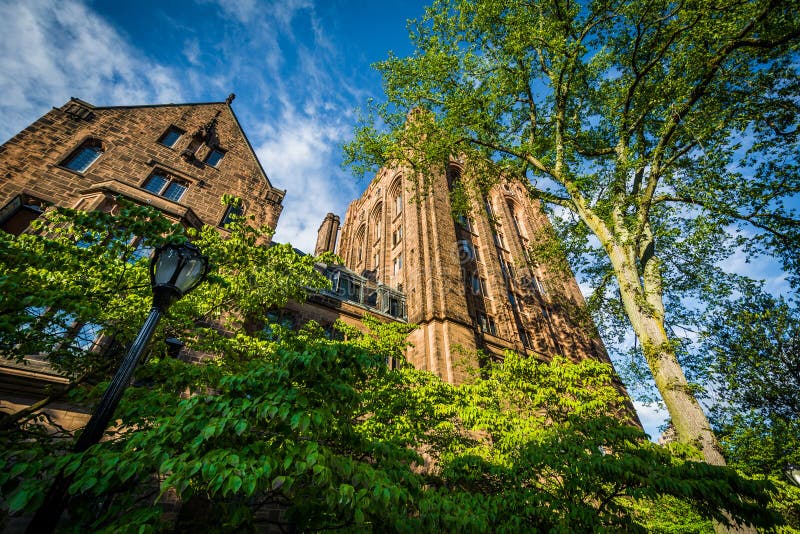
(295, 100)
(300, 150)
(50, 51)
(304, 112)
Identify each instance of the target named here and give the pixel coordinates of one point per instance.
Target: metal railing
(348, 286)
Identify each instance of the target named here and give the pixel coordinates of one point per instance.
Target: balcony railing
(350, 287)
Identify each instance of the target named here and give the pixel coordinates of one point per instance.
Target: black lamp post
(792, 472)
(174, 271)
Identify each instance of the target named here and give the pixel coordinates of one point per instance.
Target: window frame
(397, 264)
(167, 132)
(231, 210)
(169, 181)
(93, 145)
(211, 153)
(19, 212)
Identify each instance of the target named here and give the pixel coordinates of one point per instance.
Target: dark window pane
(170, 137)
(230, 212)
(174, 191)
(213, 157)
(81, 159)
(155, 183)
(20, 220)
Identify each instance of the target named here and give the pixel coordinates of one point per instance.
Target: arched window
(487, 204)
(359, 252)
(376, 220)
(516, 220)
(396, 195)
(82, 157)
(453, 176)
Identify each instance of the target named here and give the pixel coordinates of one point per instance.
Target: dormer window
(171, 136)
(214, 156)
(163, 185)
(83, 156)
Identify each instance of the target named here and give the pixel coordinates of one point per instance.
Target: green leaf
(240, 427)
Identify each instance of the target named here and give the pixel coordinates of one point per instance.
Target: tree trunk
(688, 418)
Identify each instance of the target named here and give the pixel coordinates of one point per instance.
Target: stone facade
(168, 156)
(472, 281)
(83, 156)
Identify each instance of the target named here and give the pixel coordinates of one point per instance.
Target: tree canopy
(292, 428)
(661, 135)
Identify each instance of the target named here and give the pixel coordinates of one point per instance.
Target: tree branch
(752, 218)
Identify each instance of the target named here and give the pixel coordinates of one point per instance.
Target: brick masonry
(32, 162)
(471, 283)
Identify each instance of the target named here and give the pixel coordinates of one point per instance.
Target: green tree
(323, 430)
(753, 352)
(664, 134)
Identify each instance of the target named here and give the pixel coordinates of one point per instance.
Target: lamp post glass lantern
(174, 271)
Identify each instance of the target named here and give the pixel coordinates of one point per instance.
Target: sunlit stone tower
(472, 281)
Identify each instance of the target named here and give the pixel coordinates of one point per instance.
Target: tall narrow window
(397, 264)
(477, 284)
(526, 340)
(398, 204)
(487, 324)
(512, 300)
(489, 210)
(466, 252)
(167, 187)
(171, 136)
(539, 286)
(83, 156)
(360, 243)
(397, 235)
(519, 225)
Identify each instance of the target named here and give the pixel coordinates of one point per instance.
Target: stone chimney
(326, 235)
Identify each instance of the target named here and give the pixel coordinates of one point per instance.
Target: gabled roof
(226, 103)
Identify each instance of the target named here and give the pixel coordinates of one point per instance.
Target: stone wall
(477, 280)
(133, 146)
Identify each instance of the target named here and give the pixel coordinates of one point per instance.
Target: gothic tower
(474, 280)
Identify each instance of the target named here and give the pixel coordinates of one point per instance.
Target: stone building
(179, 158)
(471, 281)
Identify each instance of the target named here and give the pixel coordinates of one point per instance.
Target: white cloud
(298, 153)
(652, 417)
(304, 116)
(191, 50)
(52, 50)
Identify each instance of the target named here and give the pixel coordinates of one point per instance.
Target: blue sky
(299, 69)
